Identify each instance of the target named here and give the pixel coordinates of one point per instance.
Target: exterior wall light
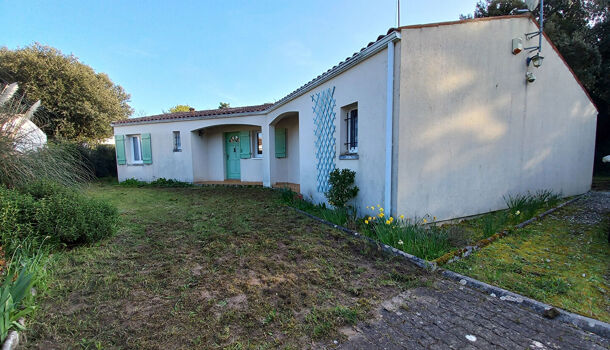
(535, 60)
(530, 77)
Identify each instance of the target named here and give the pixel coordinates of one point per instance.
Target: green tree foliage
(581, 31)
(222, 105)
(79, 103)
(180, 108)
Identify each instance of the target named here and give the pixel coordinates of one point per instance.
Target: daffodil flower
(380, 215)
(402, 216)
(517, 213)
(366, 222)
(387, 222)
(400, 242)
(425, 220)
(380, 209)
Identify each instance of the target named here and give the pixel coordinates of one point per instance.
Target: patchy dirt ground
(212, 268)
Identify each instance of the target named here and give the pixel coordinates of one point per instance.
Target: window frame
(177, 141)
(351, 131)
(255, 139)
(132, 149)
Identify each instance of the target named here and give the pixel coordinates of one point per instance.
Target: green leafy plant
(342, 188)
(13, 291)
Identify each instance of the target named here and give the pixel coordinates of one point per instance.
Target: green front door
(232, 155)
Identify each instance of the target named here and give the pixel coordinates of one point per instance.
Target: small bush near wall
(160, 182)
(342, 188)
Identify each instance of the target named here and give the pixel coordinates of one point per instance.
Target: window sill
(177, 150)
(349, 156)
(135, 164)
(257, 158)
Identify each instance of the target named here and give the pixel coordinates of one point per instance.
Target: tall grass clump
(412, 236)
(25, 154)
(525, 206)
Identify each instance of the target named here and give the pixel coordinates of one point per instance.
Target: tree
(223, 105)
(79, 103)
(179, 108)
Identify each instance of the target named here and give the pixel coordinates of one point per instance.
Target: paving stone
(441, 317)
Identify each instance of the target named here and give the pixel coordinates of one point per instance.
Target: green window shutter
(244, 144)
(146, 149)
(280, 143)
(119, 142)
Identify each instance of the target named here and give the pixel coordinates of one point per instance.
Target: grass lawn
(562, 260)
(212, 268)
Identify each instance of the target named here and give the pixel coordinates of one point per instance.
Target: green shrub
(163, 182)
(100, 159)
(342, 188)
(133, 183)
(74, 218)
(47, 211)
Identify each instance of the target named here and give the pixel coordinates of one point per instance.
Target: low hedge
(55, 213)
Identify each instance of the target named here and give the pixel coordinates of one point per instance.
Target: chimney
(191, 109)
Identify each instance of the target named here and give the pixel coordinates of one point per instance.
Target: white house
(435, 119)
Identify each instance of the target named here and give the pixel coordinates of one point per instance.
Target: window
(177, 142)
(258, 144)
(136, 149)
(351, 122)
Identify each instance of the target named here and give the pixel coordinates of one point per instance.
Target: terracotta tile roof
(205, 114)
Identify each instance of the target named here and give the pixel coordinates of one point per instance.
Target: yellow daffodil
(370, 218)
(380, 209)
(380, 215)
(517, 213)
(387, 222)
(391, 218)
(366, 222)
(378, 206)
(425, 220)
(402, 216)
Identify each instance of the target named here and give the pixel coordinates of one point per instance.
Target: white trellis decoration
(324, 121)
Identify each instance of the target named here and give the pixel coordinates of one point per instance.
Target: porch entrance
(232, 154)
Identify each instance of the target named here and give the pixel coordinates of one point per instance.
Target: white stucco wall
(472, 130)
(288, 169)
(197, 161)
(365, 84)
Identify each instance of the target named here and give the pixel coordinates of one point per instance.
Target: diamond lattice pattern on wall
(324, 121)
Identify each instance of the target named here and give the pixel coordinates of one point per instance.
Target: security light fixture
(530, 77)
(535, 60)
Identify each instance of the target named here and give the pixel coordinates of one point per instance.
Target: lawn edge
(585, 323)
(425, 264)
(461, 253)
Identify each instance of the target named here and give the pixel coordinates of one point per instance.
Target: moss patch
(558, 261)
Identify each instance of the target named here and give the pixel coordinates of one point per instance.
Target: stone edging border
(588, 324)
(464, 252)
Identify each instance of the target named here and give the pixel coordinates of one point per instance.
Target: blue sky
(202, 52)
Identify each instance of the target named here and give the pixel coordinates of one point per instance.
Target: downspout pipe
(389, 121)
